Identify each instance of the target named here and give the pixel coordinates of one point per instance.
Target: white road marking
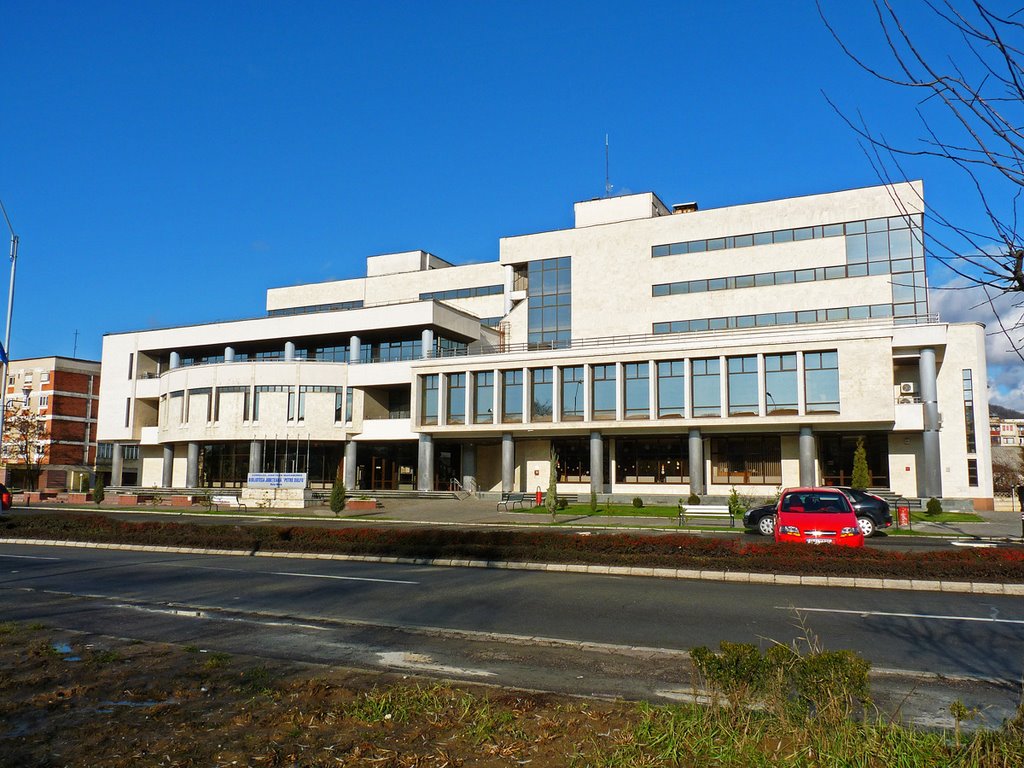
(935, 616)
(283, 573)
(341, 578)
(424, 663)
(31, 557)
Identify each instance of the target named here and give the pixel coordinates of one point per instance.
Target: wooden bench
(216, 502)
(707, 511)
(509, 500)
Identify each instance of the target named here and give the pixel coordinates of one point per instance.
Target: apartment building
(61, 395)
(651, 350)
(1006, 432)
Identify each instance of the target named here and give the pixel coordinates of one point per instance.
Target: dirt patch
(75, 700)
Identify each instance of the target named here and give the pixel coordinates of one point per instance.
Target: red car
(817, 516)
(5, 498)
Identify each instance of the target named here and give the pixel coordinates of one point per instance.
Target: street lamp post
(7, 332)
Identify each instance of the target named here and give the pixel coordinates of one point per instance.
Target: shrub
(563, 503)
(97, 491)
(338, 493)
(861, 477)
(593, 501)
(638, 502)
(934, 507)
(736, 505)
(693, 499)
(83, 485)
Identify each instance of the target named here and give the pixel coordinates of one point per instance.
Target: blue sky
(165, 163)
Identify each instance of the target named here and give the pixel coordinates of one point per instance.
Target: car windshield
(815, 501)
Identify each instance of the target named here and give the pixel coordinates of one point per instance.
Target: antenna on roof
(607, 180)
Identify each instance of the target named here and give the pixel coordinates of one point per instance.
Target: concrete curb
(848, 582)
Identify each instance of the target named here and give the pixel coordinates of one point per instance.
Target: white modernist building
(652, 350)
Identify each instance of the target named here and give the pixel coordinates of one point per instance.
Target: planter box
(360, 505)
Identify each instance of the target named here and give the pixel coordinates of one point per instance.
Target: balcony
(909, 414)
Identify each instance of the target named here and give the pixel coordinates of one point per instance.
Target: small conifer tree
(593, 501)
(338, 493)
(97, 492)
(861, 477)
(551, 500)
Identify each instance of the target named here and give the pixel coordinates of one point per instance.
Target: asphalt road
(484, 625)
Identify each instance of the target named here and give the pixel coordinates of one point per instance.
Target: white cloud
(961, 301)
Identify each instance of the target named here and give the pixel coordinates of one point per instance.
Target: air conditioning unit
(907, 388)
(905, 401)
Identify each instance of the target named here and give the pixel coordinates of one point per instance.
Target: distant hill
(1004, 413)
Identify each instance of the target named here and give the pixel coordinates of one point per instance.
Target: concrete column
(508, 463)
(930, 402)
(256, 456)
(355, 349)
(229, 354)
(117, 465)
(469, 467)
(289, 351)
(350, 465)
(175, 360)
(807, 474)
(167, 478)
(425, 464)
(426, 343)
(596, 462)
(192, 472)
(697, 462)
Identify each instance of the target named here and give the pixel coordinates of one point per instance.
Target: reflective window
(542, 404)
(572, 393)
(780, 384)
(603, 392)
(652, 460)
(821, 381)
(483, 397)
(456, 410)
(671, 389)
(511, 396)
(742, 385)
(428, 398)
(707, 396)
(637, 390)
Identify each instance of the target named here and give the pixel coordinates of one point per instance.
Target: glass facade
(572, 393)
(707, 395)
(637, 392)
(542, 404)
(428, 398)
(821, 381)
(742, 385)
(655, 460)
(456, 407)
(780, 384)
(671, 389)
(746, 460)
(483, 397)
(602, 395)
(549, 302)
(512, 396)
(767, 319)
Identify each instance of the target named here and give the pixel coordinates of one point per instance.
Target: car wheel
(867, 526)
(766, 525)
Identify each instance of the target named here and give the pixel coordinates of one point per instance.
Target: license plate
(819, 541)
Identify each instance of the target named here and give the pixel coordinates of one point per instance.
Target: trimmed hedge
(659, 551)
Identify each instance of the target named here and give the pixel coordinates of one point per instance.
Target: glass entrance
(835, 455)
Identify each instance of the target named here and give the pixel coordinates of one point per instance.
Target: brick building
(62, 393)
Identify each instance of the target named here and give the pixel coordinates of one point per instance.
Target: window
(821, 381)
(652, 460)
(603, 392)
(220, 391)
(127, 412)
(428, 399)
(637, 390)
(348, 405)
(542, 405)
(742, 385)
(572, 393)
(972, 473)
(338, 405)
(44, 401)
(549, 303)
(707, 395)
(671, 389)
(512, 396)
(131, 364)
(456, 411)
(483, 397)
(968, 381)
(780, 384)
(746, 460)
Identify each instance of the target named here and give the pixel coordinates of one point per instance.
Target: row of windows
(789, 276)
(463, 293)
(861, 312)
(179, 402)
(787, 235)
(747, 385)
(375, 352)
(968, 384)
(313, 308)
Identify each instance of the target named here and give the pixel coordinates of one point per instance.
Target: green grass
(946, 517)
(607, 510)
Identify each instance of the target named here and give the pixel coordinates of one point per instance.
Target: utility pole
(7, 334)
